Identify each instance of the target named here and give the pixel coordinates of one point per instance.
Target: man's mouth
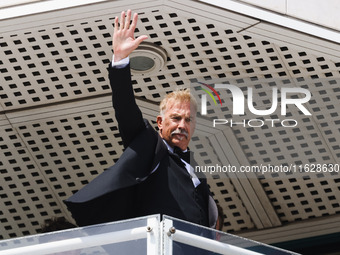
(180, 134)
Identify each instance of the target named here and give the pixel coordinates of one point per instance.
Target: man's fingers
(134, 21)
(122, 20)
(127, 19)
(123, 41)
(116, 25)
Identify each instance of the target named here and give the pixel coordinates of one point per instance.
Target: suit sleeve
(128, 114)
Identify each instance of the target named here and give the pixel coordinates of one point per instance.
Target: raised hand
(123, 40)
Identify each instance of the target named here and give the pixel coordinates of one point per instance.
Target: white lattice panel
(57, 130)
(236, 216)
(26, 196)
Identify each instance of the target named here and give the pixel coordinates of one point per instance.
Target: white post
(153, 237)
(166, 237)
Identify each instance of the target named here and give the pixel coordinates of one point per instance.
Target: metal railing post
(166, 237)
(153, 237)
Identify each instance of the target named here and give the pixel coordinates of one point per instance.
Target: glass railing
(188, 238)
(146, 235)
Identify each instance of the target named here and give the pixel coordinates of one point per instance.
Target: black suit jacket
(110, 196)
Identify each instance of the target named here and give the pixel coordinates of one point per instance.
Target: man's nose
(182, 124)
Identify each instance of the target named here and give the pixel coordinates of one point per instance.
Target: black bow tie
(183, 155)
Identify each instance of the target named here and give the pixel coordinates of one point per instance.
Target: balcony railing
(147, 235)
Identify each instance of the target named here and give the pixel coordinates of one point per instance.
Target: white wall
(325, 12)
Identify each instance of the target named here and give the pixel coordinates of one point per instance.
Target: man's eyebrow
(175, 114)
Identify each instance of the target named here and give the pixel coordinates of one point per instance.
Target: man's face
(177, 125)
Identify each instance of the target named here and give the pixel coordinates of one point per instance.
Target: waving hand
(123, 41)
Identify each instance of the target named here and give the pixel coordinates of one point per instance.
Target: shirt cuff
(121, 63)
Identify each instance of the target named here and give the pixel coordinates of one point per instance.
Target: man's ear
(160, 123)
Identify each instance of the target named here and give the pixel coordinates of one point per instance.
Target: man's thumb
(140, 39)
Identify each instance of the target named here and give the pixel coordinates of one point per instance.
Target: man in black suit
(152, 176)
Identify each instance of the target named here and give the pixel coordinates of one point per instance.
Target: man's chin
(180, 143)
